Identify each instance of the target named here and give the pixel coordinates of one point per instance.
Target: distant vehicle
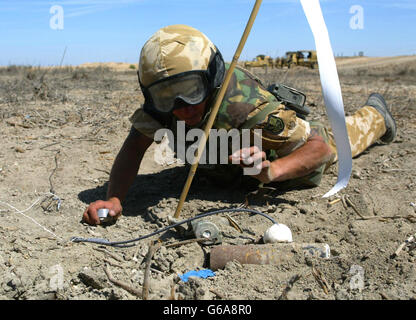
(260, 61)
(305, 58)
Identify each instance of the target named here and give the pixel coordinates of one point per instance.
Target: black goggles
(191, 87)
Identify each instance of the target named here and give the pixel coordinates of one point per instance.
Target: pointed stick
(216, 107)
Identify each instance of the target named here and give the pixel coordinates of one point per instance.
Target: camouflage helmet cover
(172, 50)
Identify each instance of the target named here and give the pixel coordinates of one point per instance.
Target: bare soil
(60, 131)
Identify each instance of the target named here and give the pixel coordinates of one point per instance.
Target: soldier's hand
(247, 157)
(90, 215)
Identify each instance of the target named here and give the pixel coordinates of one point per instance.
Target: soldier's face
(192, 115)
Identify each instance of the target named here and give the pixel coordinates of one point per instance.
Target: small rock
(271, 209)
(13, 283)
(191, 257)
(356, 174)
(308, 261)
(92, 279)
(90, 230)
(305, 209)
(233, 266)
(342, 295)
(286, 206)
(138, 276)
(194, 289)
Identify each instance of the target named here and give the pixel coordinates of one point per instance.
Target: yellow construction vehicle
(260, 61)
(305, 58)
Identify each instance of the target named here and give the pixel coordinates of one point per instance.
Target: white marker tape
(331, 91)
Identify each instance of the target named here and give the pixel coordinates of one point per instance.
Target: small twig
(289, 286)
(111, 263)
(112, 255)
(400, 248)
(14, 124)
(92, 140)
(384, 296)
(234, 223)
(329, 212)
(181, 243)
(382, 218)
(152, 250)
(334, 201)
(155, 270)
(394, 170)
(121, 284)
(49, 145)
(352, 205)
(40, 116)
(320, 279)
(53, 171)
(343, 201)
(96, 131)
(44, 238)
(105, 171)
(134, 257)
(172, 292)
(411, 218)
(244, 204)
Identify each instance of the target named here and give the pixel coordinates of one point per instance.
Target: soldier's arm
(127, 164)
(122, 175)
(304, 160)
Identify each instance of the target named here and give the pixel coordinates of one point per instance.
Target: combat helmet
(178, 64)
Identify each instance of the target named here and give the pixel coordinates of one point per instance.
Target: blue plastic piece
(199, 274)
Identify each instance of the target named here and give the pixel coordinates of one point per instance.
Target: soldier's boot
(377, 101)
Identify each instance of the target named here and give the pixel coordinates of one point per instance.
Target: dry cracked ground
(60, 131)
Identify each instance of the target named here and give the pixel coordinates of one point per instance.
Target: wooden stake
(152, 250)
(121, 284)
(216, 107)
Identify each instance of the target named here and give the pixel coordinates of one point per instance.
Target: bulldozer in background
(305, 58)
(260, 60)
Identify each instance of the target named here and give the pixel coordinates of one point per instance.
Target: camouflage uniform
(246, 104)
(364, 127)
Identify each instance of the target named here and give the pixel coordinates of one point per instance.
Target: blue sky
(115, 30)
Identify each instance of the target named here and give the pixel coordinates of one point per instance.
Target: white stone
(278, 233)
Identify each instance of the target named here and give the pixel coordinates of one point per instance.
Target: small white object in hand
(278, 233)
